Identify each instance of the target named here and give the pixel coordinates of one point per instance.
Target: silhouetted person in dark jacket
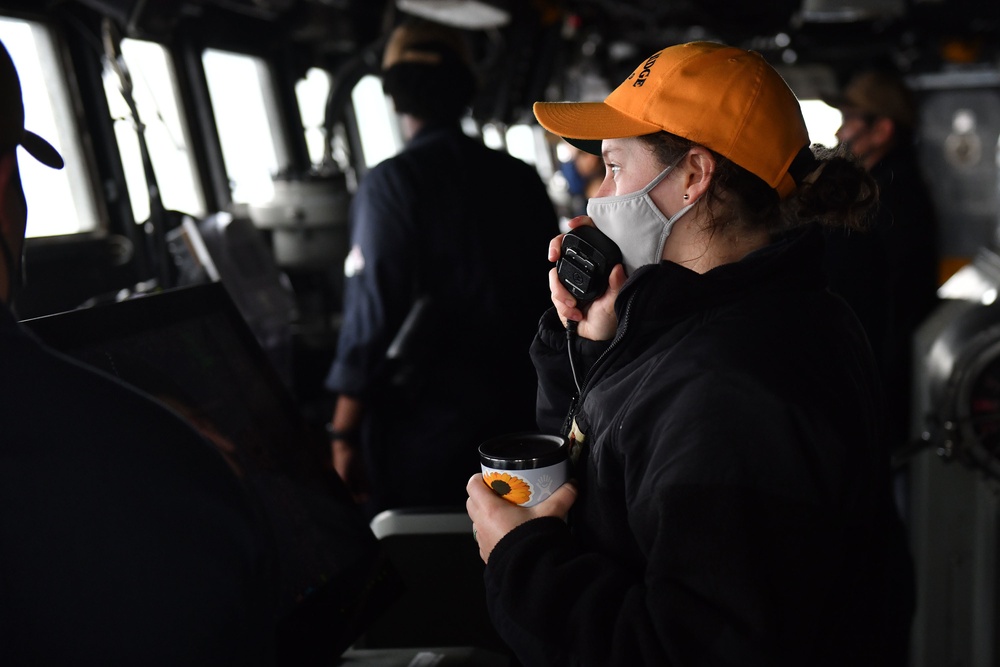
(889, 274)
(126, 537)
(446, 223)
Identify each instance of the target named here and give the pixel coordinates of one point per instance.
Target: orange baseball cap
(726, 99)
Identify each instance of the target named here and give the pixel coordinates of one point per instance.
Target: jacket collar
(432, 129)
(791, 262)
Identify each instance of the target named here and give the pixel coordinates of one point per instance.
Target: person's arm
(345, 428)
(376, 299)
(555, 381)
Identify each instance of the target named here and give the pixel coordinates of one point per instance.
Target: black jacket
(734, 505)
(125, 538)
(889, 276)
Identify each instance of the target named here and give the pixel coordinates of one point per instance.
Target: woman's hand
(493, 517)
(598, 320)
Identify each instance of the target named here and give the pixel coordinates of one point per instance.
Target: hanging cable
(155, 226)
(570, 337)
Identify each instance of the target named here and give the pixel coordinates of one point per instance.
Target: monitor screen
(190, 349)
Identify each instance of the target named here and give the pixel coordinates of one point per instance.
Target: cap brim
(592, 146)
(586, 124)
(41, 150)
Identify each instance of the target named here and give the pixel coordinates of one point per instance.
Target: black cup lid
(523, 451)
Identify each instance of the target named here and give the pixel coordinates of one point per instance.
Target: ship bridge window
(522, 143)
(60, 201)
(378, 126)
(312, 92)
(246, 115)
(822, 121)
(154, 91)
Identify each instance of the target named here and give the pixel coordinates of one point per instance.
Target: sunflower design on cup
(524, 468)
(507, 486)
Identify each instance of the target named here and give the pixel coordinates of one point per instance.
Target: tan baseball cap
(12, 132)
(878, 93)
(424, 42)
(727, 99)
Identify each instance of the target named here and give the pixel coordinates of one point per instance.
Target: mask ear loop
(669, 224)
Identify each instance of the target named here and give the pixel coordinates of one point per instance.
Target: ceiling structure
(565, 49)
(832, 27)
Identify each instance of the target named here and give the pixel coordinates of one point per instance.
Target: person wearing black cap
(12, 135)
(455, 227)
(127, 539)
(889, 275)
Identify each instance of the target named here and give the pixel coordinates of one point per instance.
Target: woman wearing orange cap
(732, 501)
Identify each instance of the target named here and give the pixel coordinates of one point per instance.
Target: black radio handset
(584, 266)
(585, 263)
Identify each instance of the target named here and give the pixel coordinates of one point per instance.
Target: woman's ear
(700, 171)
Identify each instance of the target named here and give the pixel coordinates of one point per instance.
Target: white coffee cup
(525, 468)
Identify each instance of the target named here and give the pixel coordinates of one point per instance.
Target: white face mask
(635, 223)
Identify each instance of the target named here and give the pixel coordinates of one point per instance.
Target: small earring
(685, 197)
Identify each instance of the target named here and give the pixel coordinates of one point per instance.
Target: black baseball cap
(12, 132)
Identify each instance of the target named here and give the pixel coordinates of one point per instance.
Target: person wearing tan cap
(878, 112)
(445, 236)
(731, 503)
(126, 537)
(889, 275)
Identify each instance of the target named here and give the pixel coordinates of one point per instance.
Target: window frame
(274, 109)
(74, 131)
(197, 180)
